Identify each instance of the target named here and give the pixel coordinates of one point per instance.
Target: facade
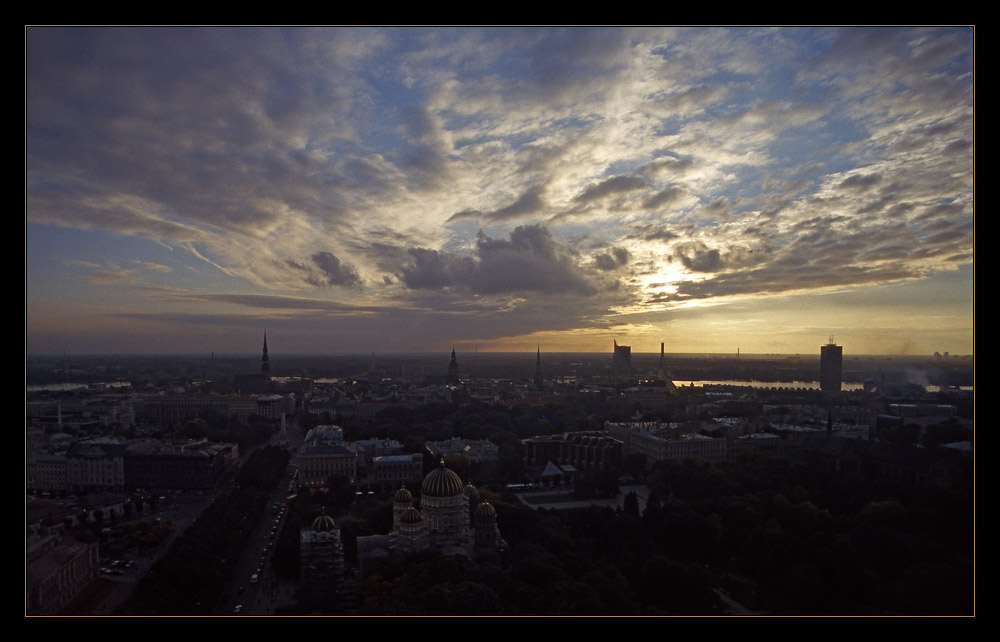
(395, 470)
(322, 556)
(317, 463)
(831, 367)
(176, 409)
(659, 442)
(94, 466)
(197, 465)
(46, 473)
(324, 455)
(56, 572)
(590, 450)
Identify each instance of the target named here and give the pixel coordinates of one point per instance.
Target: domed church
(450, 520)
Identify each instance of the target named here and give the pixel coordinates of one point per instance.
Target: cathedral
(450, 520)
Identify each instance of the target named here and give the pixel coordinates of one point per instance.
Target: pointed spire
(265, 362)
(453, 368)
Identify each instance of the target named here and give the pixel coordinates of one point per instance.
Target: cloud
(860, 182)
(529, 203)
(699, 258)
(334, 272)
(612, 260)
(613, 185)
(528, 261)
(666, 196)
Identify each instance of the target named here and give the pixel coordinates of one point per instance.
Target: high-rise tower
(831, 367)
(621, 361)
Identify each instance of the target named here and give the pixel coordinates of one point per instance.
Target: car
(254, 578)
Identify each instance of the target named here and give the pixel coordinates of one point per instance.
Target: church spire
(265, 363)
(453, 375)
(538, 369)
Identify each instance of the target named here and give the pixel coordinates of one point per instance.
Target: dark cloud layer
(528, 261)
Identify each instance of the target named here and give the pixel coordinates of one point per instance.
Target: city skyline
(423, 189)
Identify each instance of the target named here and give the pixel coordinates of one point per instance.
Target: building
(194, 465)
(57, 570)
(475, 450)
(453, 374)
(96, 466)
(393, 471)
(451, 520)
(621, 361)
(256, 383)
(324, 455)
(265, 361)
(659, 442)
(46, 473)
(322, 556)
(831, 367)
(588, 450)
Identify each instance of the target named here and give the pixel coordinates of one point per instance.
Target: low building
(58, 569)
(394, 471)
(95, 466)
(319, 461)
(194, 465)
(589, 450)
(659, 442)
(475, 450)
(46, 473)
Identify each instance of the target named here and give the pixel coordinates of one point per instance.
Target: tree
(631, 504)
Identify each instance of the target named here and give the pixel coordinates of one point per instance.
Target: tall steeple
(265, 363)
(453, 374)
(538, 369)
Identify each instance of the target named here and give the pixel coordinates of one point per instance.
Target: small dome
(403, 496)
(441, 482)
(411, 516)
(470, 492)
(323, 523)
(485, 510)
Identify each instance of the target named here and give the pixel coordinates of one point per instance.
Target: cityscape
(499, 321)
(340, 475)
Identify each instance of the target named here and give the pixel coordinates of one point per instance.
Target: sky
(417, 189)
